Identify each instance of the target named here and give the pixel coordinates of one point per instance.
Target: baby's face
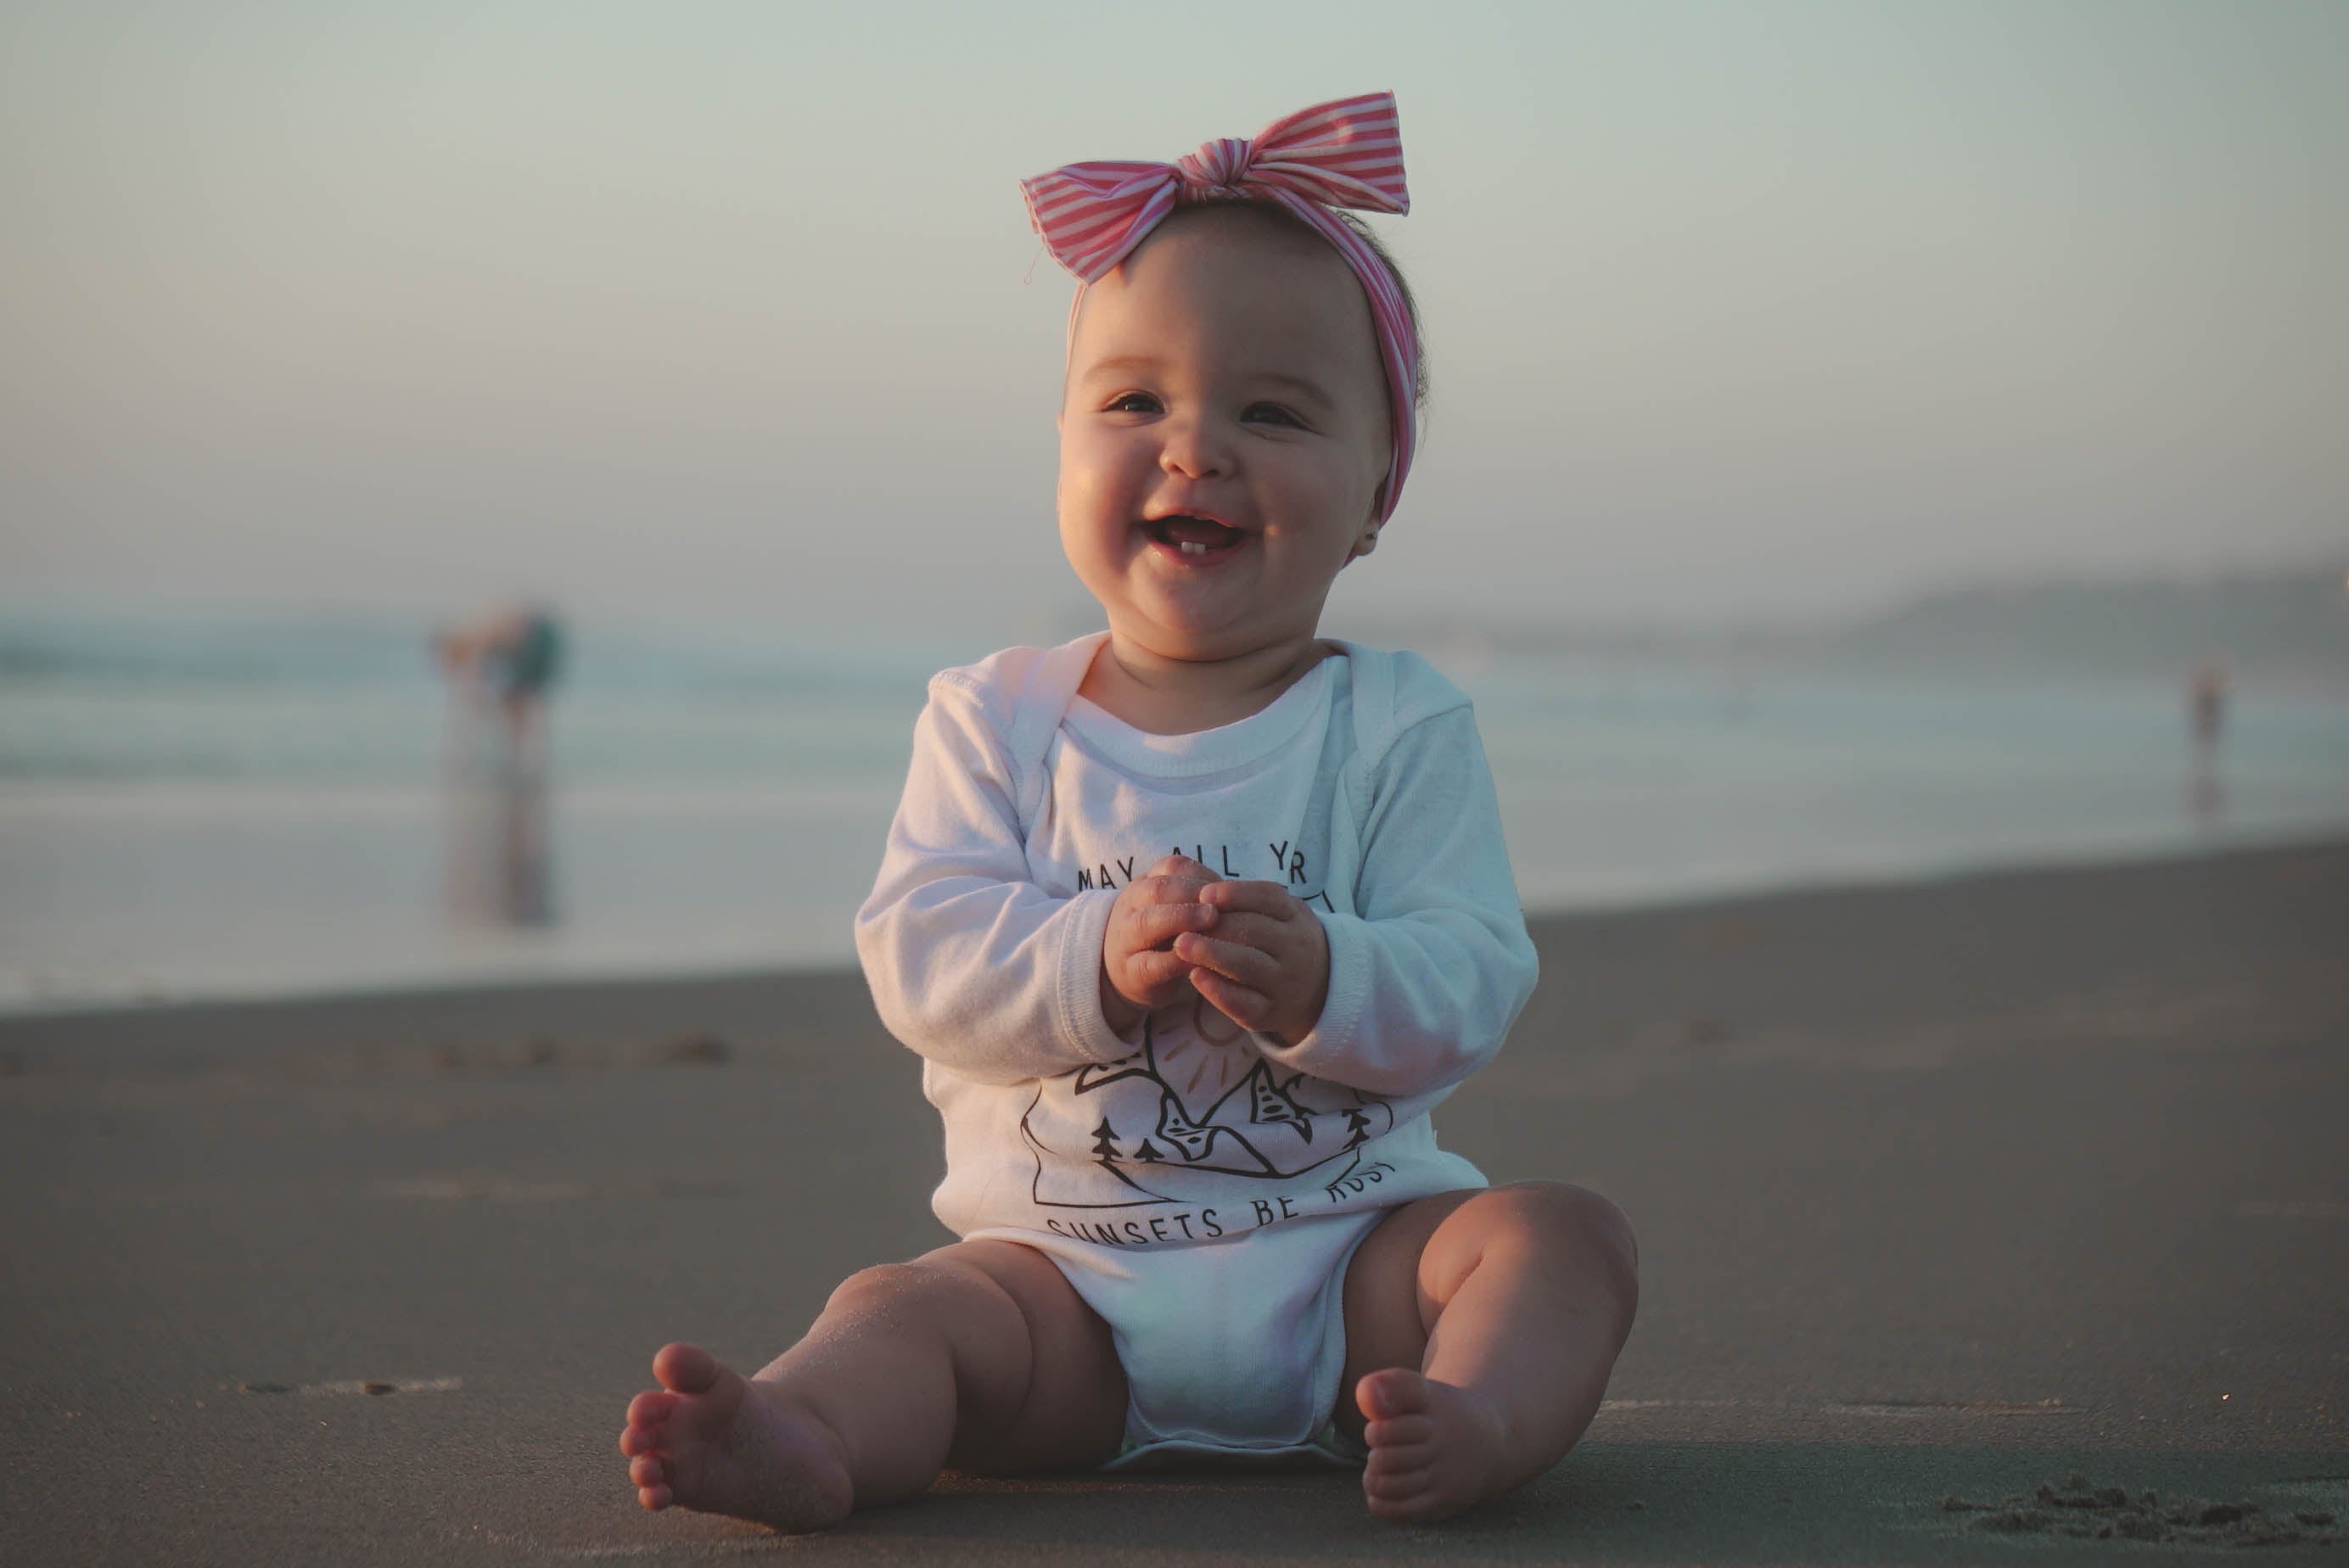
(1223, 438)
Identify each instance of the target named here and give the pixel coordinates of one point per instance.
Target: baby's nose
(1194, 449)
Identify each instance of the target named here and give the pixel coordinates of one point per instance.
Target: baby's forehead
(1262, 230)
(1267, 280)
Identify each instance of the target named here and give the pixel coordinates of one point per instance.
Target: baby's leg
(1480, 1330)
(977, 1355)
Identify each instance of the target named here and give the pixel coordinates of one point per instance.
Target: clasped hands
(1252, 949)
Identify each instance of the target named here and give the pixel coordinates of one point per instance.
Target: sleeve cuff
(1076, 999)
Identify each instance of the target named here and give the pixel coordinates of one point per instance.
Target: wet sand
(1947, 1193)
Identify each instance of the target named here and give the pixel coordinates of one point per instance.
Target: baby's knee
(927, 1287)
(1560, 1218)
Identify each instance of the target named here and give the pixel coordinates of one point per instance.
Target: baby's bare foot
(1434, 1449)
(710, 1440)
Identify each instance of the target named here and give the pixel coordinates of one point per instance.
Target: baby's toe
(1400, 1481)
(1403, 1459)
(647, 1470)
(651, 1409)
(653, 1499)
(1393, 1392)
(639, 1440)
(1403, 1431)
(686, 1368)
(1404, 1498)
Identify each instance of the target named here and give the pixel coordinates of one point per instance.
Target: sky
(730, 313)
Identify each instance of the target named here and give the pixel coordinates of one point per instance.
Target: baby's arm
(1424, 981)
(971, 963)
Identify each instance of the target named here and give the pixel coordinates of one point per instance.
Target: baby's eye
(1270, 414)
(1132, 403)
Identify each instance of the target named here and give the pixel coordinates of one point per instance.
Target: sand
(1947, 1193)
(2083, 1510)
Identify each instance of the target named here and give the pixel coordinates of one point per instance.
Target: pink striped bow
(1347, 154)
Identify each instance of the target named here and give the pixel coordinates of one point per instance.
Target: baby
(1185, 1094)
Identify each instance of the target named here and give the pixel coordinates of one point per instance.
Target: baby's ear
(1368, 539)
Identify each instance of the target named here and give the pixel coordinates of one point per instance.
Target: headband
(1347, 154)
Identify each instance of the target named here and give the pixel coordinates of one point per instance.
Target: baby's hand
(1139, 969)
(1267, 968)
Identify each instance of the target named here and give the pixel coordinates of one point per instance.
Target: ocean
(202, 805)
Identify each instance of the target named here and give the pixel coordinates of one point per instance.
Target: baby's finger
(1250, 967)
(1264, 933)
(1156, 925)
(1267, 898)
(1154, 970)
(1182, 866)
(1243, 1004)
(1170, 888)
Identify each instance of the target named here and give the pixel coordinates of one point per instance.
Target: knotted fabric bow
(1347, 154)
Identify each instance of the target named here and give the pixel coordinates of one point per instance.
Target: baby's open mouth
(1194, 535)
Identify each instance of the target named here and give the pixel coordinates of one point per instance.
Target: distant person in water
(2206, 716)
(500, 667)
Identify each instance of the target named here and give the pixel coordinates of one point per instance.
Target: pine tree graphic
(1148, 1153)
(1357, 1128)
(1105, 1142)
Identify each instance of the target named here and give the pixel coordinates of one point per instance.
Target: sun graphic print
(1195, 1108)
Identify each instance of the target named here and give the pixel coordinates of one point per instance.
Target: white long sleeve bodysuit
(1137, 1162)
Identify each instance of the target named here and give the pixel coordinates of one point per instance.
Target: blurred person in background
(2206, 718)
(500, 667)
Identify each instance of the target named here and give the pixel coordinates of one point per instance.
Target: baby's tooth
(1192, 547)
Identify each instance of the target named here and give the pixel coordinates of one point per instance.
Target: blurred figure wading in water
(500, 667)
(2206, 717)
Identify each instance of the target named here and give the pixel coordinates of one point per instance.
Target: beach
(1947, 1191)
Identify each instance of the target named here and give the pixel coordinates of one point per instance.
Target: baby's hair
(1274, 212)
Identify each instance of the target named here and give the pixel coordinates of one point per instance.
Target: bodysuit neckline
(1303, 707)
